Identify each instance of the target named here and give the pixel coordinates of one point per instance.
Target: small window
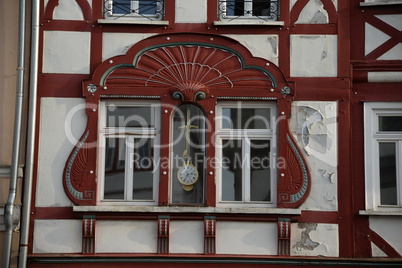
(266, 10)
(383, 155)
(245, 148)
(134, 9)
(130, 138)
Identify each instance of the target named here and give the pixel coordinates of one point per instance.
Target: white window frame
(380, 2)
(130, 133)
(245, 135)
(134, 5)
(372, 138)
(247, 18)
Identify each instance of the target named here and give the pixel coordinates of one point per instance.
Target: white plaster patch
(376, 252)
(394, 53)
(254, 238)
(262, 46)
(314, 239)
(389, 228)
(66, 52)
(126, 236)
(373, 38)
(384, 77)
(115, 44)
(394, 20)
(57, 137)
(314, 126)
(194, 11)
(68, 10)
(313, 55)
(57, 236)
(293, 2)
(313, 13)
(186, 237)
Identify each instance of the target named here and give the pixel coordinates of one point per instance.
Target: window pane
(261, 7)
(188, 149)
(388, 173)
(246, 118)
(115, 158)
(147, 7)
(260, 176)
(120, 116)
(143, 177)
(390, 123)
(121, 6)
(235, 8)
(232, 185)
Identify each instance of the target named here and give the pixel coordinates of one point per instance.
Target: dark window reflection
(388, 186)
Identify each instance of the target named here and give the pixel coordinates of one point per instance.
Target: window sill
(249, 22)
(380, 213)
(395, 2)
(217, 210)
(133, 21)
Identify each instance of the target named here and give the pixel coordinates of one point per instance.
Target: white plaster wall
(314, 127)
(253, 238)
(313, 55)
(68, 10)
(186, 237)
(62, 122)
(115, 44)
(262, 46)
(376, 252)
(312, 239)
(293, 2)
(373, 38)
(313, 13)
(126, 236)
(194, 11)
(66, 52)
(57, 236)
(389, 228)
(384, 77)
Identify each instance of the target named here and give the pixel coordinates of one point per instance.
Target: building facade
(195, 132)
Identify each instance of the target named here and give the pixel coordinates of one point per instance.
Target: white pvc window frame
(372, 138)
(129, 133)
(245, 135)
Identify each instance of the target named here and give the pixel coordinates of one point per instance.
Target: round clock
(187, 176)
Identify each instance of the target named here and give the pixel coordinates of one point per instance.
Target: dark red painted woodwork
(299, 6)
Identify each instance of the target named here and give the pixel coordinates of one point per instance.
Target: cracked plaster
(314, 126)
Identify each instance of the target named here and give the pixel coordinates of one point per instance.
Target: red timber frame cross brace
(187, 68)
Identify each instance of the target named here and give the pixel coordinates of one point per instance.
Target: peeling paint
(313, 13)
(305, 240)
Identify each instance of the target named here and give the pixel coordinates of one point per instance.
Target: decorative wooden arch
(187, 68)
(83, 4)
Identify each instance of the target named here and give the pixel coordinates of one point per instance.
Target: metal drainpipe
(9, 207)
(29, 160)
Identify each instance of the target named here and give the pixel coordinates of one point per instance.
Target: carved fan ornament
(187, 72)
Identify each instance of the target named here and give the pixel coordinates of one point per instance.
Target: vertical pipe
(9, 208)
(27, 196)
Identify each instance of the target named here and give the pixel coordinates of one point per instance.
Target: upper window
(383, 155)
(245, 147)
(134, 9)
(266, 10)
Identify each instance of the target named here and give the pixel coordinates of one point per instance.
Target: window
(134, 9)
(129, 137)
(266, 10)
(189, 154)
(383, 155)
(246, 145)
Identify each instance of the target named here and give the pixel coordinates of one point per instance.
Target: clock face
(187, 174)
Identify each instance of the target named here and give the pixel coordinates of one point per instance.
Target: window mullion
(129, 169)
(246, 169)
(399, 171)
